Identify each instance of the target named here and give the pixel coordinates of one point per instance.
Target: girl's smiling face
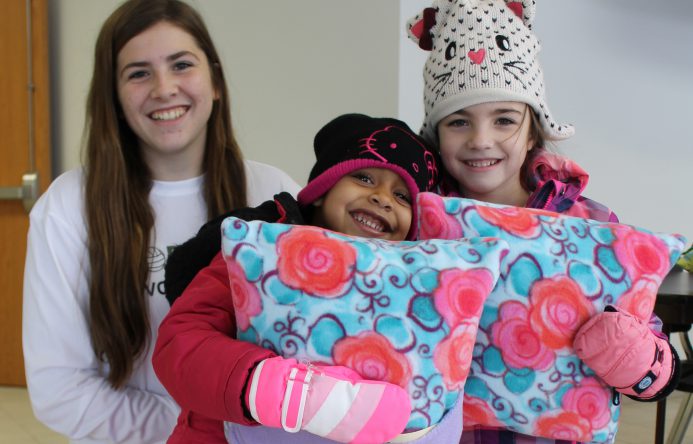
(165, 89)
(483, 147)
(371, 202)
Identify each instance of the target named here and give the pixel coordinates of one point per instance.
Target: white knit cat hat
(481, 51)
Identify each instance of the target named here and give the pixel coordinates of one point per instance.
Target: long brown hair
(117, 183)
(538, 136)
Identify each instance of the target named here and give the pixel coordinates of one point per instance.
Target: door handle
(27, 193)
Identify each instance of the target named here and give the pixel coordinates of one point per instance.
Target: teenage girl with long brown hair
(160, 160)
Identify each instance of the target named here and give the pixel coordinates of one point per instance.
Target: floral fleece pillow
(402, 312)
(559, 272)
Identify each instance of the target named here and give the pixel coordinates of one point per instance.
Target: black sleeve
(196, 253)
(288, 209)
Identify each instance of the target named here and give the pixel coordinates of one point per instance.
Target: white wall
(627, 85)
(622, 72)
(291, 66)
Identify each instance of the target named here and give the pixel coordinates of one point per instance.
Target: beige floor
(18, 425)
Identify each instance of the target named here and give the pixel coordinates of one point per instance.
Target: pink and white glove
(627, 355)
(329, 401)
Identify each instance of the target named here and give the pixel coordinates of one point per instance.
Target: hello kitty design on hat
(480, 51)
(353, 141)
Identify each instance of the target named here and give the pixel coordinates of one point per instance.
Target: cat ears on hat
(421, 27)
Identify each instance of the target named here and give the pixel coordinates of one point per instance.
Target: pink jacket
(557, 184)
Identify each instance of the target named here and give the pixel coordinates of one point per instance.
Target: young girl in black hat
(367, 174)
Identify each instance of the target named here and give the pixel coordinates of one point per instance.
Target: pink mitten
(626, 354)
(329, 401)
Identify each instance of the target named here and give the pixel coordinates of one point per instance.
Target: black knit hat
(355, 141)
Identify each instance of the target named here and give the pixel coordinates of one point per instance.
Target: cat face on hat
(480, 51)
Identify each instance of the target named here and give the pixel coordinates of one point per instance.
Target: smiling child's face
(371, 202)
(483, 147)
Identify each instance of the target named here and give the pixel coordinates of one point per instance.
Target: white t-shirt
(67, 392)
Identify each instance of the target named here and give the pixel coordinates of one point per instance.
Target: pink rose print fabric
(402, 312)
(246, 302)
(372, 355)
(558, 273)
(315, 264)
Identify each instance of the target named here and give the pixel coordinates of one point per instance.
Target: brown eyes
(403, 197)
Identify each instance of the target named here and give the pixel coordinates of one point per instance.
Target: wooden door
(24, 121)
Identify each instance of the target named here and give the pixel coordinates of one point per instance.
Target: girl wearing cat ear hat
(486, 111)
